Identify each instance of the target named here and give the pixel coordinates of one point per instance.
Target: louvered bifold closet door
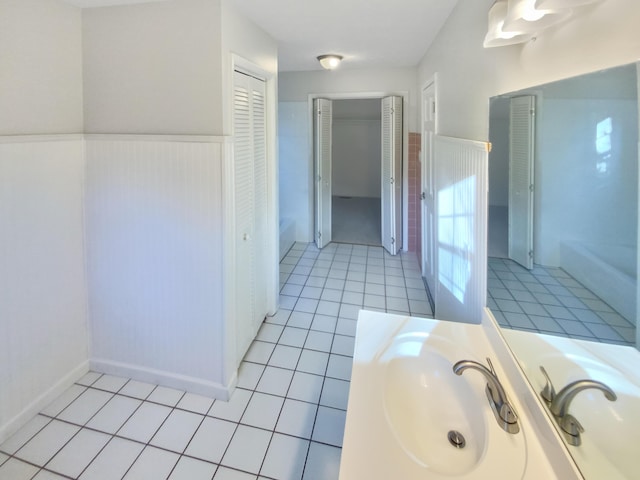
(391, 189)
(521, 154)
(250, 207)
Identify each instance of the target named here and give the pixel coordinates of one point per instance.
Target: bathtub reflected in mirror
(563, 207)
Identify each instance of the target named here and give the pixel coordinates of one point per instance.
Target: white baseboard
(166, 379)
(36, 406)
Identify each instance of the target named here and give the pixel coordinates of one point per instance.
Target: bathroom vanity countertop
(404, 397)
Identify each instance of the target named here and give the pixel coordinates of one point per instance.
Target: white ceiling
(368, 33)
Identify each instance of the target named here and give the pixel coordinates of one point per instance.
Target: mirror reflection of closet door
(323, 121)
(521, 188)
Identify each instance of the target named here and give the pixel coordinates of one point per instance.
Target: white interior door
(521, 155)
(250, 197)
(322, 147)
(391, 195)
(428, 242)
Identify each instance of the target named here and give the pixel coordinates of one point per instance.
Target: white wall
(575, 202)
(43, 331)
(295, 167)
(599, 36)
(43, 321)
(356, 157)
(153, 68)
(40, 67)
(295, 88)
(154, 262)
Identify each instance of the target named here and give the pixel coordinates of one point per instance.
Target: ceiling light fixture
(558, 4)
(524, 17)
(496, 36)
(330, 61)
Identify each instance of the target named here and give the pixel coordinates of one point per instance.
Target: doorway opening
(358, 149)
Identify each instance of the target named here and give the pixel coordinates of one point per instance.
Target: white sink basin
(405, 399)
(611, 437)
(424, 401)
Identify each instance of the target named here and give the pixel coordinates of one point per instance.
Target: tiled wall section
(415, 222)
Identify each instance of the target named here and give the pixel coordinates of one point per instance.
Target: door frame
(405, 150)
(431, 81)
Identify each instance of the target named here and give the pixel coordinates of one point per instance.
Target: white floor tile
(14, 469)
(89, 378)
(259, 352)
(339, 367)
(285, 457)
(78, 453)
(85, 406)
(177, 430)
(110, 383)
(346, 327)
(151, 464)
(44, 475)
(144, 423)
(234, 408)
(343, 345)
(25, 434)
(247, 449)
(249, 374)
(136, 389)
(195, 403)
(320, 341)
(281, 316)
(3, 457)
(313, 362)
(114, 460)
(285, 357)
(335, 393)
(113, 415)
(211, 439)
(269, 332)
(166, 396)
(297, 418)
(41, 448)
(300, 320)
(329, 426)
(275, 381)
(294, 337)
(224, 473)
(64, 400)
(323, 462)
(324, 323)
(263, 411)
(305, 387)
(192, 469)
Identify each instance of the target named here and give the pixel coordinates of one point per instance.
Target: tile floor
(549, 300)
(284, 421)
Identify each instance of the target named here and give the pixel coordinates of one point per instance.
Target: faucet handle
(548, 393)
(572, 429)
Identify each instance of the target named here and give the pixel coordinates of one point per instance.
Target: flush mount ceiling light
(330, 61)
(558, 4)
(524, 17)
(496, 37)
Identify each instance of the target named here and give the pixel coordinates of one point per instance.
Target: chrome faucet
(559, 404)
(503, 411)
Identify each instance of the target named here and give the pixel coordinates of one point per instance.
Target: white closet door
(391, 195)
(322, 140)
(428, 197)
(250, 207)
(521, 155)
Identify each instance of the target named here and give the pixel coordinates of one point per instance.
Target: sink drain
(456, 439)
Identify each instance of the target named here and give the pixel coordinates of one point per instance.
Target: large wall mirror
(563, 247)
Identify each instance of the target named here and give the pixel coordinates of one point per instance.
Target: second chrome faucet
(559, 404)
